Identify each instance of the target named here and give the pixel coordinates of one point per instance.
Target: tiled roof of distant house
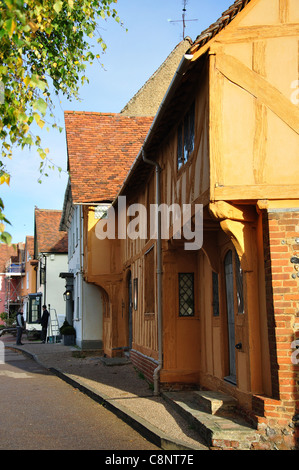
(48, 238)
(101, 149)
(6, 252)
(29, 246)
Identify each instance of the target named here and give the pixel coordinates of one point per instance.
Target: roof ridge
(119, 115)
(227, 16)
(48, 210)
(90, 112)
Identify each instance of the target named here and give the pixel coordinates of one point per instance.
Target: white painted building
(87, 311)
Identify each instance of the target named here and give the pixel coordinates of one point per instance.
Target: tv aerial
(183, 20)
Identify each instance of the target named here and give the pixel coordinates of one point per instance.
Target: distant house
(49, 260)
(28, 286)
(15, 272)
(101, 149)
(6, 254)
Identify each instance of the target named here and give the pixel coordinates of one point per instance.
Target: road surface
(38, 411)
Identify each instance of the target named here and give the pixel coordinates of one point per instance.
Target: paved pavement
(119, 387)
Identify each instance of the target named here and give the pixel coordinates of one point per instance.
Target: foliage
(69, 331)
(66, 329)
(33, 335)
(8, 320)
(5, 237)
(3, 316)
(44, 45)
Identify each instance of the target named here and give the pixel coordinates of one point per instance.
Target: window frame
(186, 137)
(180, 275)
(34, 305)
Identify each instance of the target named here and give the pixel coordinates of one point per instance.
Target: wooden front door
(130, 298)
(230, 305)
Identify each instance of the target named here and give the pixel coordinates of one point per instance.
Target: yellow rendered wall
(254, 66)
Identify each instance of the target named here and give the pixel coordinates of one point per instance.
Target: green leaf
(10, 26)
(23, 117)
(58, 6)
(36, 82)
(40, 105)
(6, 238)
(42, 154)
(41, 123)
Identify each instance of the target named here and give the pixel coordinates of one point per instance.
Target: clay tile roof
(30, 245)
(227, 16)
(48, 238)
(6, 252)
(101, 149)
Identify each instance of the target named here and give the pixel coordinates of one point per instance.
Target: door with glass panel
(234, 306)
(230, 308)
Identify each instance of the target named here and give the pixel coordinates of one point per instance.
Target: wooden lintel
(256, 192)
(253, 33)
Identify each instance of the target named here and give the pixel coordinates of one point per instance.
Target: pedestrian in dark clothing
(44, 323)
(20, 326)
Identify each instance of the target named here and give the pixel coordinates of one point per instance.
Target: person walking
(20, 327)
(44, 323)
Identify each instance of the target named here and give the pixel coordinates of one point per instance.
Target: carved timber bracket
(236, 232)
(237, 223)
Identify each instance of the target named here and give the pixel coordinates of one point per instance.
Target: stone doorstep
(114, 361)
(215, 402)
(219, 431)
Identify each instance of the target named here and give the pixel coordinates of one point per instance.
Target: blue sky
(131, 58)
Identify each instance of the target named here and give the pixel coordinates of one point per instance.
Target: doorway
(230, 307)
(130, 308)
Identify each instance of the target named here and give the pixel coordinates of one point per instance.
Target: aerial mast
(183, 20)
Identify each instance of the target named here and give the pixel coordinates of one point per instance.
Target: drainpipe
(81, 255)
(159, 274)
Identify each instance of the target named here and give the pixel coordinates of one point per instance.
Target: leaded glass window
(186, 294)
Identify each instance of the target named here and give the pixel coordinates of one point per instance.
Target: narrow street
(41, 412)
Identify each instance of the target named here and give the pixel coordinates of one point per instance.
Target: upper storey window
(186, 136)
